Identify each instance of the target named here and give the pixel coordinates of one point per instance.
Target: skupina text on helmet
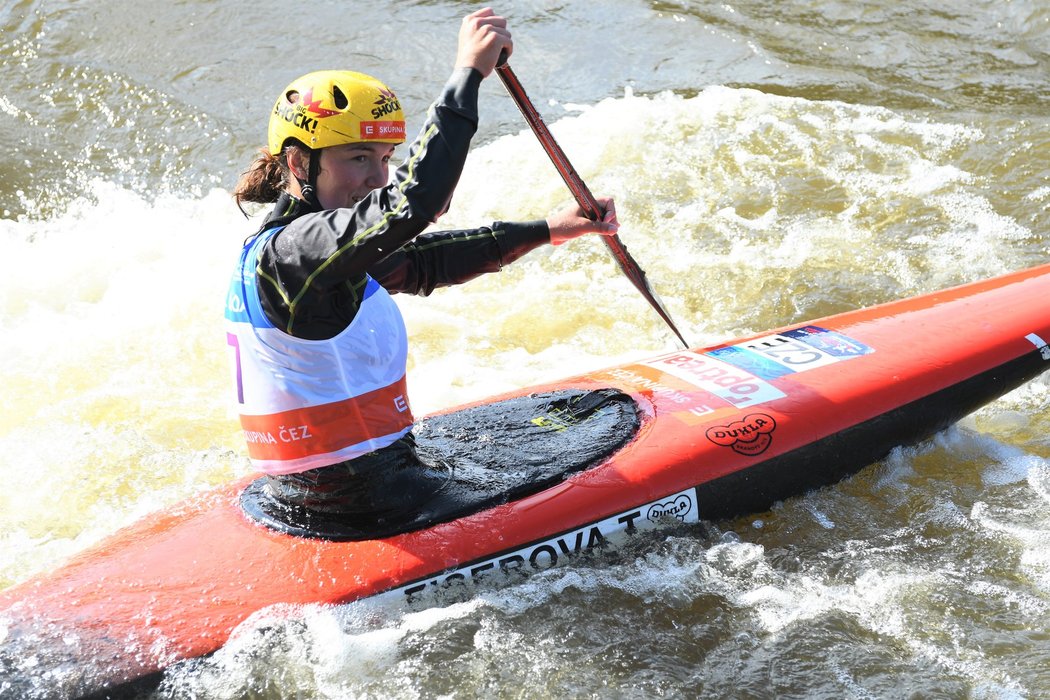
(334, 107)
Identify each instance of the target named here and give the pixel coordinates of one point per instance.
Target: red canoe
(703, 434)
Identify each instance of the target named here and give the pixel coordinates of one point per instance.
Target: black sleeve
(322, 250)
(446, 258)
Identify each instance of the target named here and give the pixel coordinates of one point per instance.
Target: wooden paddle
(579, 190)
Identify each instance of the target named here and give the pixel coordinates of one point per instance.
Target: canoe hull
(724, 430)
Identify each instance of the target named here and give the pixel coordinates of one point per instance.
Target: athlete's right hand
(483, 35)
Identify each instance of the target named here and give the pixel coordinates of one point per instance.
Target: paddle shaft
(580, 192)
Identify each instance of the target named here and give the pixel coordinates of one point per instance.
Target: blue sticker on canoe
(830, 342)
(752, 362)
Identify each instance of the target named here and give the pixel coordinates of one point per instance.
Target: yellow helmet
(333, 107)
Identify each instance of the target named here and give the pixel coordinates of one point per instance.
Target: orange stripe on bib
(316, 430)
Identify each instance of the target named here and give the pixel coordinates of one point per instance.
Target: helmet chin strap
(309, 188)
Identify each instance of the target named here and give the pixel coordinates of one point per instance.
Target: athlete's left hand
(572, 222)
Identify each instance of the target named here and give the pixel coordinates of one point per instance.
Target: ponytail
(263, 182)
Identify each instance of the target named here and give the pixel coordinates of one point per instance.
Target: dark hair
(263, 181)
(266, 178)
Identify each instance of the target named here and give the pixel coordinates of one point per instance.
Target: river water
(773, 162)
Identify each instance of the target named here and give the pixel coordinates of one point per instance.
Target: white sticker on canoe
(796, 350)
(1040, 345)
(732, 384)
(545, 554)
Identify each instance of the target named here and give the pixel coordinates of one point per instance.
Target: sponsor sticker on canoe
(1040, 345)
(679, 507)
(726, 381)
(735, 377)
(750, 436)
(792, 351)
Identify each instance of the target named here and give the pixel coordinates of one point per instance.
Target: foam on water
(112, 384)
(735, 200)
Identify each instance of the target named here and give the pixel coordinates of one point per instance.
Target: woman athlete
(320, 348)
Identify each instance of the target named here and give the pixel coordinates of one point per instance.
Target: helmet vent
(340, 99)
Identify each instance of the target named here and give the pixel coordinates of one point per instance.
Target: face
(351, 171)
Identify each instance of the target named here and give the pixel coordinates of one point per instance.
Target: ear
(298, 163)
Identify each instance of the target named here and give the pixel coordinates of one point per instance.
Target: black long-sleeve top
(311, 273)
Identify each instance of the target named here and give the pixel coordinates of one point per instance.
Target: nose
(378, 175)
